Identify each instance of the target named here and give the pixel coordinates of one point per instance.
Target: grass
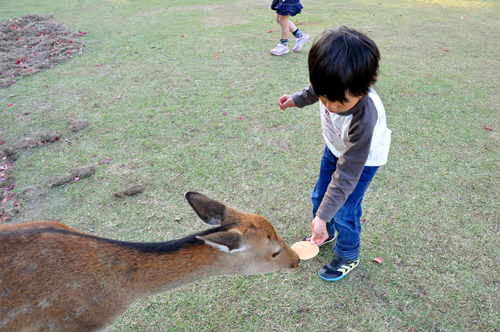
(432, 211)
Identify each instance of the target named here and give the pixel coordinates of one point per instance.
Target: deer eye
(276, 253)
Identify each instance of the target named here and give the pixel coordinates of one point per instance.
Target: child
(284, 9)
(343, 64)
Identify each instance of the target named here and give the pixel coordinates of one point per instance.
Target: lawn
(182, 96)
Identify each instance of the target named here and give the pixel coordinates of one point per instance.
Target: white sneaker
(280, 50)
(300, 42)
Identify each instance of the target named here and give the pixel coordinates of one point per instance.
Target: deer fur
(53, 278)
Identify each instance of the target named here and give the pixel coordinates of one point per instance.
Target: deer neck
(156, 272)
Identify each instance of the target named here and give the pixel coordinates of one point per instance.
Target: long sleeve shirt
(358, 137)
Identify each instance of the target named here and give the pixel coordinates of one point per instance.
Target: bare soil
(33, 43)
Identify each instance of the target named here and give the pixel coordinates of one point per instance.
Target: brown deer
(53, 278)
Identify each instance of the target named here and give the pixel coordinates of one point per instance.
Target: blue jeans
(347, 220)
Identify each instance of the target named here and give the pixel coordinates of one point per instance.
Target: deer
(54, 278)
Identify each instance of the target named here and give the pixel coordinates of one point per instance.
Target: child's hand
(319, 232)
(286, 101)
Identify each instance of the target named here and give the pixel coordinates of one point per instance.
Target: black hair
(343, 60)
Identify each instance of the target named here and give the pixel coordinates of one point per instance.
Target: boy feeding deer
(343, 65)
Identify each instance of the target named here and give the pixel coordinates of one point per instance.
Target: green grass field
(187, 120)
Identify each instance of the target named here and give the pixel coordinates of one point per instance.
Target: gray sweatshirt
(358, 137)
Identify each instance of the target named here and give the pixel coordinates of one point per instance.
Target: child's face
(337, 106)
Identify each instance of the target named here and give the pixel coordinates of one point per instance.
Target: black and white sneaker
(337, 269)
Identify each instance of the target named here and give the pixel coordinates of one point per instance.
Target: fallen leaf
(7, 165)
(488, 128)
(270, 31)
(6, 199)
(216, 56)
(378, 260)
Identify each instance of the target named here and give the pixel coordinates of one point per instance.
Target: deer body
(53, 278)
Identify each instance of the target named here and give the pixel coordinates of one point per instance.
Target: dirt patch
(32, 43)
(8, 156)
(78, 124)
(36, 139)
(76, 175)
(134, 190)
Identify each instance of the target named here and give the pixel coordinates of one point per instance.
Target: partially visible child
(284, 9)
(343, 65)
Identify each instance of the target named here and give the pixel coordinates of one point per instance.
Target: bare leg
(285, 25)
(291, 26)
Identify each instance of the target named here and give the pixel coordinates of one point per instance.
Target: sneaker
(330, 239)
(336, 269)
(280, 50)
(300, 42)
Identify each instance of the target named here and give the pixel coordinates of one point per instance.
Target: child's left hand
(319, 232)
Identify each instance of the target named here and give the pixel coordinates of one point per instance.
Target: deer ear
(229, 241)
(210, 211)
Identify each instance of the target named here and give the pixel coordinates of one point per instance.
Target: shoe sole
(338, 278)
(280, 53)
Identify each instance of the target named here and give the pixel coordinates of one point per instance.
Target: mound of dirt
(78, 124)
(76, 175)
(134, 190)
(33, 43)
